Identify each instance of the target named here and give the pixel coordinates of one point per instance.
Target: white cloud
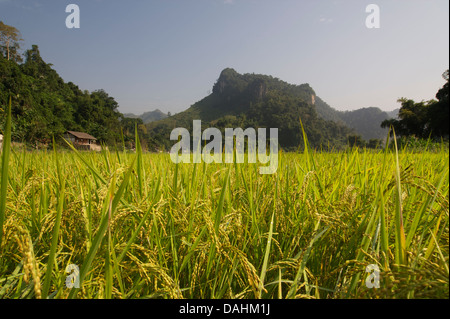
(325, 20)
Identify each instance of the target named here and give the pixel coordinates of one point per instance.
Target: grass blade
(5, 163)
(110, 206)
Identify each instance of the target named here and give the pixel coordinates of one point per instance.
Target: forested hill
(255, 100)
(43, 105)
(365, 121)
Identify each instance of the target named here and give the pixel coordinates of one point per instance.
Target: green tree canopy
(43, 105)
(423, 119)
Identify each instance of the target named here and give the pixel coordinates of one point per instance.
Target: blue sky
(167, 54)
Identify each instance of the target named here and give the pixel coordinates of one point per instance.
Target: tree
(424, 119)
(374, 143)
(9, 41)
(439, 112)
(415, 117)
(356, 141)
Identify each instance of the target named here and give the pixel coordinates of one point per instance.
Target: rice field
(139, 226)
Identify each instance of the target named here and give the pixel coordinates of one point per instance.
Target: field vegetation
(139, 226)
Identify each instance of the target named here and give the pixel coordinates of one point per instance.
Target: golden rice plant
(139, 226)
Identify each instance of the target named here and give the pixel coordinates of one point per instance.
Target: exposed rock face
(221, 84)
(313, 99)
(225, 80)
(258, 89)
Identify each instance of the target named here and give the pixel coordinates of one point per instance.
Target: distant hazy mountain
(365, 121)
(148, 117)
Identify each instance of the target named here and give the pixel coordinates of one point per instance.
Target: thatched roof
(82, 135)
